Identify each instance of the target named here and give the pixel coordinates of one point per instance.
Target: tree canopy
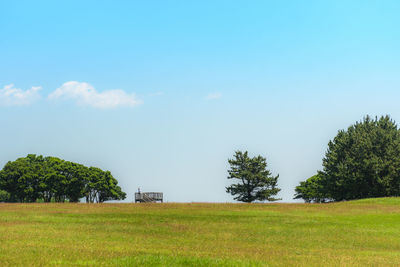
(361, 162)
(255, 182)
(35, 178)
(311, 190)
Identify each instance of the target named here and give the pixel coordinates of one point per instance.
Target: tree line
(50, 179)
(360, 162)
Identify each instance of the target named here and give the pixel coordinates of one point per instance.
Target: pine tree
(255, 182)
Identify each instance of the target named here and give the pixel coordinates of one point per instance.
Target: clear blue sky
(162, 93)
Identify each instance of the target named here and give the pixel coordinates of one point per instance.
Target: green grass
(356, 233)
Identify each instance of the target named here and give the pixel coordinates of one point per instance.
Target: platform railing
(149, 197)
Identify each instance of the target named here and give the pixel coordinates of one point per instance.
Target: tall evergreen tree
(255, 182)
(361, 162)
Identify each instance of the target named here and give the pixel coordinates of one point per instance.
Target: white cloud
(11, 96)
(215, 95)
(86, 95)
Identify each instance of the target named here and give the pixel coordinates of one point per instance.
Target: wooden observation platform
(148, 197)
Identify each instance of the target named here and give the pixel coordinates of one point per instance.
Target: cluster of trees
(361, 162)
(37, 178)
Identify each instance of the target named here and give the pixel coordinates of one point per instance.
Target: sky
(162, 93)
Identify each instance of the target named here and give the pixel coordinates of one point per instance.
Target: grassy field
(360, 233)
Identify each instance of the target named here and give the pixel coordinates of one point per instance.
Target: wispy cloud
(214, 95)
(86, 95)
(11, 96)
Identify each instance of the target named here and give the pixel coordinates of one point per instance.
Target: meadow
(354, 233)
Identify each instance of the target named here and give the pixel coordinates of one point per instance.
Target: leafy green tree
(255, 182)
(4, 196)
(361, 162)
(110, 189)
(102, 186)
(21, 178)
(311, 190)
(74, 175)
(54, 184)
